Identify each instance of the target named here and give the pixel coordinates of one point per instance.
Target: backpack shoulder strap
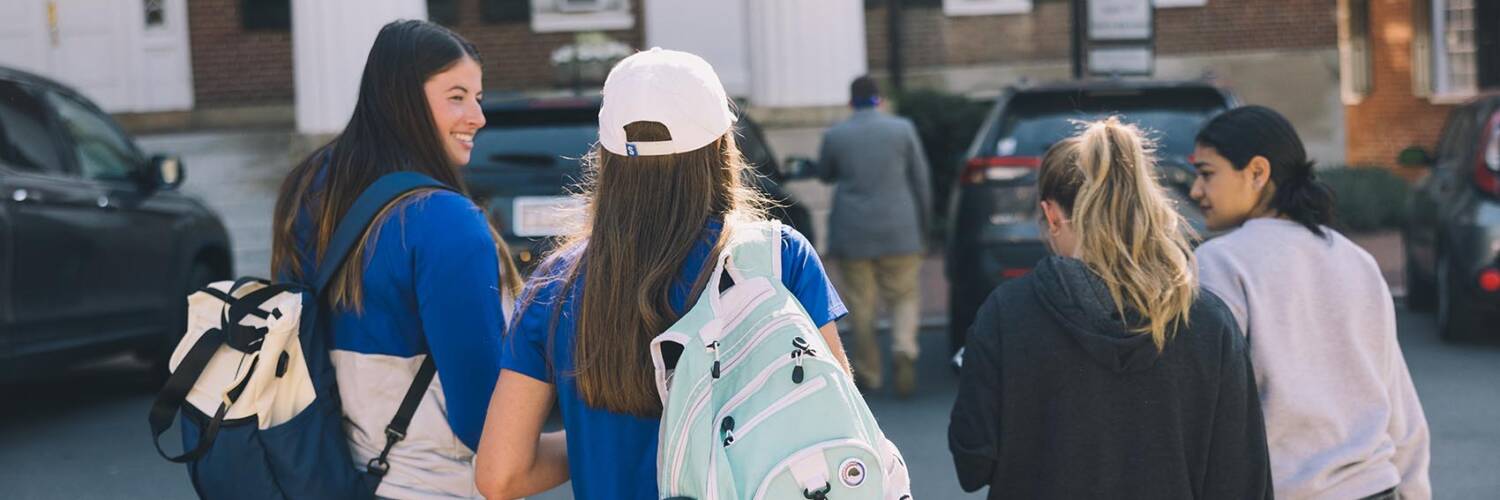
(756, 251)
(396, 430)
(346, 235)
(361, 214)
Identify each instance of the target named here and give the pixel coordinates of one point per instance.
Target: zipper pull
(803, 345)
(800, 348)
(726, 430)
(715, 348)
(797, 370)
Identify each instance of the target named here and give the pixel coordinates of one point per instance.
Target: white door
(91, 50)
(23, 35)
(125, 55)
(165, 69)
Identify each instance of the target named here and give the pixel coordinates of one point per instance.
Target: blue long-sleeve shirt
(430, 287)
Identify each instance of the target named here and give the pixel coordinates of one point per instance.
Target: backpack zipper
(760, 335)
(817, 384)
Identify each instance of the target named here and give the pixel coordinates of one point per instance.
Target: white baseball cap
(676, 89)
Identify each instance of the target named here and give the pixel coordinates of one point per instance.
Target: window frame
(1356, 77)
(548, 16)
(1442, 89)
(1172, 4)
(961, 8)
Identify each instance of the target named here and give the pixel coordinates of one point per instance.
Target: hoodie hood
(1079, 301)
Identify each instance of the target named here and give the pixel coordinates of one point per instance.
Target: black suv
(98, 248)
(1452, 233)
(993, 232)
(526, 159)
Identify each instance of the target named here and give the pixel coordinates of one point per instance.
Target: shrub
(1368, 198)
(946, 124)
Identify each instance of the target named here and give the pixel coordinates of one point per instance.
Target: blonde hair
(1129, 234)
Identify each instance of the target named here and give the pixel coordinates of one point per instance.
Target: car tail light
(1489, 280)
(1487, 167)
(998, 168)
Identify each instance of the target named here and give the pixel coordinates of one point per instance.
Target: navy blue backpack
(255, 386)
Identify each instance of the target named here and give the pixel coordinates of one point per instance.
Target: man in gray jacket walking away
(877, 227)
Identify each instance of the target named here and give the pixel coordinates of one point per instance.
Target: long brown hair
(642, 217)
(391, 130)
(1128, 232)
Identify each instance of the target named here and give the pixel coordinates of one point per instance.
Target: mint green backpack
(756, 407)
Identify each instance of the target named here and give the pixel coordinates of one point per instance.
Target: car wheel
(1455, 315)
(1419, 290)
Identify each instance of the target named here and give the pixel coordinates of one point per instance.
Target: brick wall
(1389, 118)
(515, 58)
(232, 66)
(932, 38)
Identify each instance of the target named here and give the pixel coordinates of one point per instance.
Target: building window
(1162, 4)
(505, 11)
(444, 12)
(155, 13)
(271, 15)
(985, 7)
(580, 15)
(1354, 49)
(1455, 53)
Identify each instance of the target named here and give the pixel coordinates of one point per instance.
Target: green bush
(947, 124)
(1368, 198)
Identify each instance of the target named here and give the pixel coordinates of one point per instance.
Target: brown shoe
(905, 368)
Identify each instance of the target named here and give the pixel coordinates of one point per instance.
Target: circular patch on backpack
(852, 472)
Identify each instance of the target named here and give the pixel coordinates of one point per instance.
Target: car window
(1034, 122)
(536, 137)
(103, 153)
(25, 141)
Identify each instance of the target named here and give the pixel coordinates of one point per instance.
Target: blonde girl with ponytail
(1107, 372)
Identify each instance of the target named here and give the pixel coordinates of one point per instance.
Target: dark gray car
(526, 163)
(1452, 235)
(98, 248)
(993, 232)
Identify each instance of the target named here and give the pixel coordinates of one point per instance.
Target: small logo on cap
(630, 150)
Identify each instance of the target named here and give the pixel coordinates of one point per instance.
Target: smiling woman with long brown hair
(426, 280)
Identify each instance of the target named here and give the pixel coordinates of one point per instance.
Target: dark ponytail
(1241, 134)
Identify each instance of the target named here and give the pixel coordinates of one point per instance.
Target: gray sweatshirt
(1342, 416)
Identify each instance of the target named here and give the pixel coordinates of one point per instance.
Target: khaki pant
(894, 278)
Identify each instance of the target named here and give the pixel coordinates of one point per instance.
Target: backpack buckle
(378, 466)
(393, 435)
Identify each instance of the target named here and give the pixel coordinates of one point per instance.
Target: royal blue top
(431, 286)
(613, 455)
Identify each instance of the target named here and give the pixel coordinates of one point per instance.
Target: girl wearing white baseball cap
(666, 188)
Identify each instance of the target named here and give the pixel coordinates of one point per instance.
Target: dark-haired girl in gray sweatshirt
(1342, 416)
